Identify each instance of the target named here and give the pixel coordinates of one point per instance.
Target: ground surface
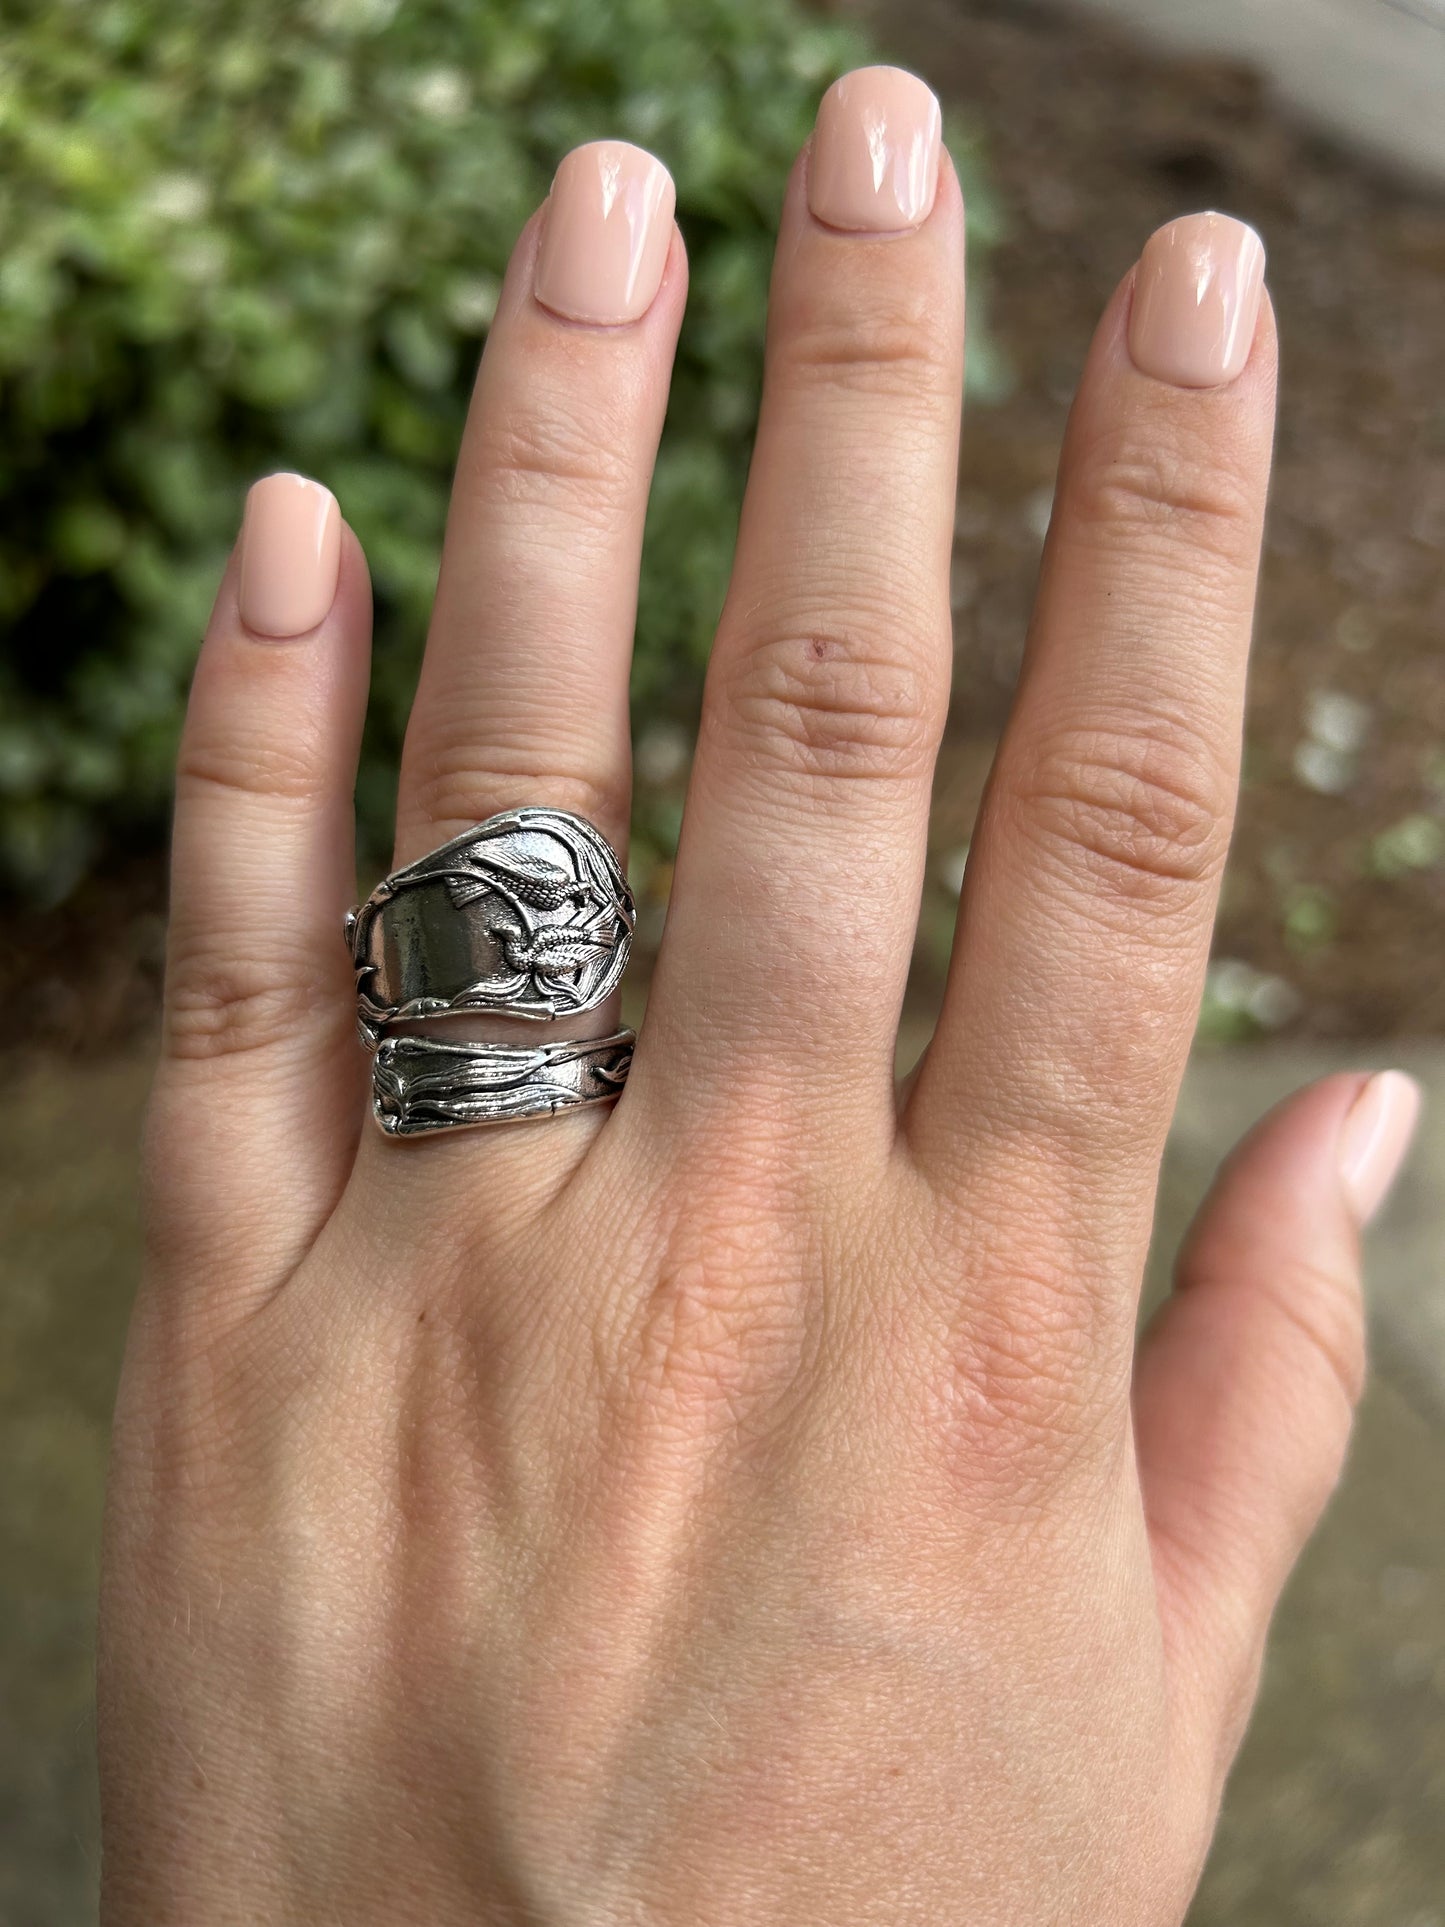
(1372, 71)
(1336, 897)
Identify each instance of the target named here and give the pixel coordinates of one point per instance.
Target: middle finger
(1096, 862)
(800, 863)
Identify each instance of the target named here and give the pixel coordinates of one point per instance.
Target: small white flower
(1230, 981)
(662, 753)
(178, 197)
(1338, 722)
(1327, 771)
(1273, 1003)
(1235, 985)
(471, 303)
(353, 16)
(201, 259)
(442, 94)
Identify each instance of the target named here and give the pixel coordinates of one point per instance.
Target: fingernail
(606, 234)
(1196, 301)
(1374, 1138)
(290, 555)
(874, 163)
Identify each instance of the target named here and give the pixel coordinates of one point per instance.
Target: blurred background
(270, 233)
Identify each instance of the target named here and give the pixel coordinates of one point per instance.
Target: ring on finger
(527, 914)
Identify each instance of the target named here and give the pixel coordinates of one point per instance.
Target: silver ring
(421, 1085)
(527, 914)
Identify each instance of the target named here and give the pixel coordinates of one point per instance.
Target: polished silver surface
(423, 1084)
(528, 913)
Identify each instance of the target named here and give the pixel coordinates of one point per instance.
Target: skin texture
(745, 1505)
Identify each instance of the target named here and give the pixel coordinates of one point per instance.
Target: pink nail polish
(874, 161)
(290, 555)
(1196, 301)
(606, 234)
(1374, 1138)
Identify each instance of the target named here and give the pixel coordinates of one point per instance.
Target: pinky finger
(254, 1119)
(1247, 1381)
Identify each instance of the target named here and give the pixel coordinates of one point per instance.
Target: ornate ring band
(528, 914)
(422, 1084)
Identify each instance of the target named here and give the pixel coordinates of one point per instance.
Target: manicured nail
(290, 555)
(606, 234)
(1196, 301)
(1374, 1138)
(874, 164)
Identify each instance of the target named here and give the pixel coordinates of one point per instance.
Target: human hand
(731, 1508)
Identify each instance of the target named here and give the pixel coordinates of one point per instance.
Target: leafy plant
(1414, 843)
(244, 234)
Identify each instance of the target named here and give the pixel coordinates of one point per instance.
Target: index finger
(1093, 878)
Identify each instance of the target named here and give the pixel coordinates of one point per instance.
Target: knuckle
(1321, 1307)
(831, 706)
(221, 1004)
(1145, 803)
(458, 781)
(565, 459)
(726, 1337)
(1007, 1427)
(1037, 1347)
(709, 1342)
(890, 346)
(1032, 1380)
(260, 766)
(1165, 492)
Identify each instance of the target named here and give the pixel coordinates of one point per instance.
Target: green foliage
(245, 234)
(1414, 843)
(1311, 918)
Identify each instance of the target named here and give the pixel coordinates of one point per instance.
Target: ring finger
(523, 690)
(522, 698)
